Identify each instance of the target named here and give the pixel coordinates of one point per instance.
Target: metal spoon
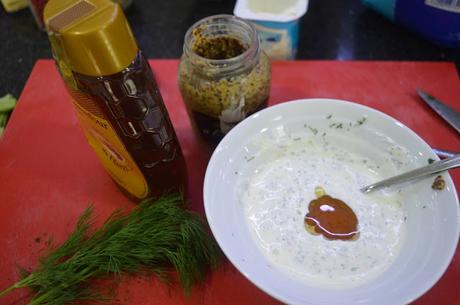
(433, 168)
(442, 153)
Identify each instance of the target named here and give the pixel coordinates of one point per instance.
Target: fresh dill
(313, 130)
(154, 237)
(361, 122)
(336, 125)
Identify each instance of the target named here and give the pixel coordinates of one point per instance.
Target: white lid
(271, 10)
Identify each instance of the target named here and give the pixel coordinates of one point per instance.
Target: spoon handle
(433, 168)
(442, 153)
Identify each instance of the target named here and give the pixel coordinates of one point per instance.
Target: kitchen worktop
(331, 29)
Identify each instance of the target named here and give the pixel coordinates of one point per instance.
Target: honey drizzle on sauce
(332, 218)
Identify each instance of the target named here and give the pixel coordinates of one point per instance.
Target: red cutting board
(49, 175)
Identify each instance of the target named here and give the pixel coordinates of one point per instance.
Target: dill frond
(154, 237)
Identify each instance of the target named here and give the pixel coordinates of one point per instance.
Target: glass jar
(224, 76)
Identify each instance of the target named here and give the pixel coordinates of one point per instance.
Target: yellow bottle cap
(92, 37)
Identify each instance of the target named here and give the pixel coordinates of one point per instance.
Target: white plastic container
(277, 23)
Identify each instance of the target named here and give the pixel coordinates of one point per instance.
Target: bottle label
(111, 151)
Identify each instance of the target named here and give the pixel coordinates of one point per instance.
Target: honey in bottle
(115, 96)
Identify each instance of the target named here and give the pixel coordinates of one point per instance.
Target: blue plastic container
(436, 20)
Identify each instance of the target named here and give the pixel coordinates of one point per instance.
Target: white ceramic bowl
(432, 228)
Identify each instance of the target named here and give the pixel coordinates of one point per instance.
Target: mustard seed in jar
(224, 76)
(223, 47)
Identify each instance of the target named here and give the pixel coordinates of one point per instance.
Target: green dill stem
(155, 236)
(7, 290)
(82, 276)
(21, 284)
(40, 299)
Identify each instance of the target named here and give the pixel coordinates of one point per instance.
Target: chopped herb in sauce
(314, 130)
(361, 122)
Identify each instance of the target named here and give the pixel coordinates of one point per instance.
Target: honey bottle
(115, 96)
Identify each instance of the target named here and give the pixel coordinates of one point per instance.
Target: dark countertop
(331, 29)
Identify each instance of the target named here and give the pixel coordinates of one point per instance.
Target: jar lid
(93, 37)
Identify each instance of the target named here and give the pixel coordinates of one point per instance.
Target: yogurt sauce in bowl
(276, 196)
(260, 184)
